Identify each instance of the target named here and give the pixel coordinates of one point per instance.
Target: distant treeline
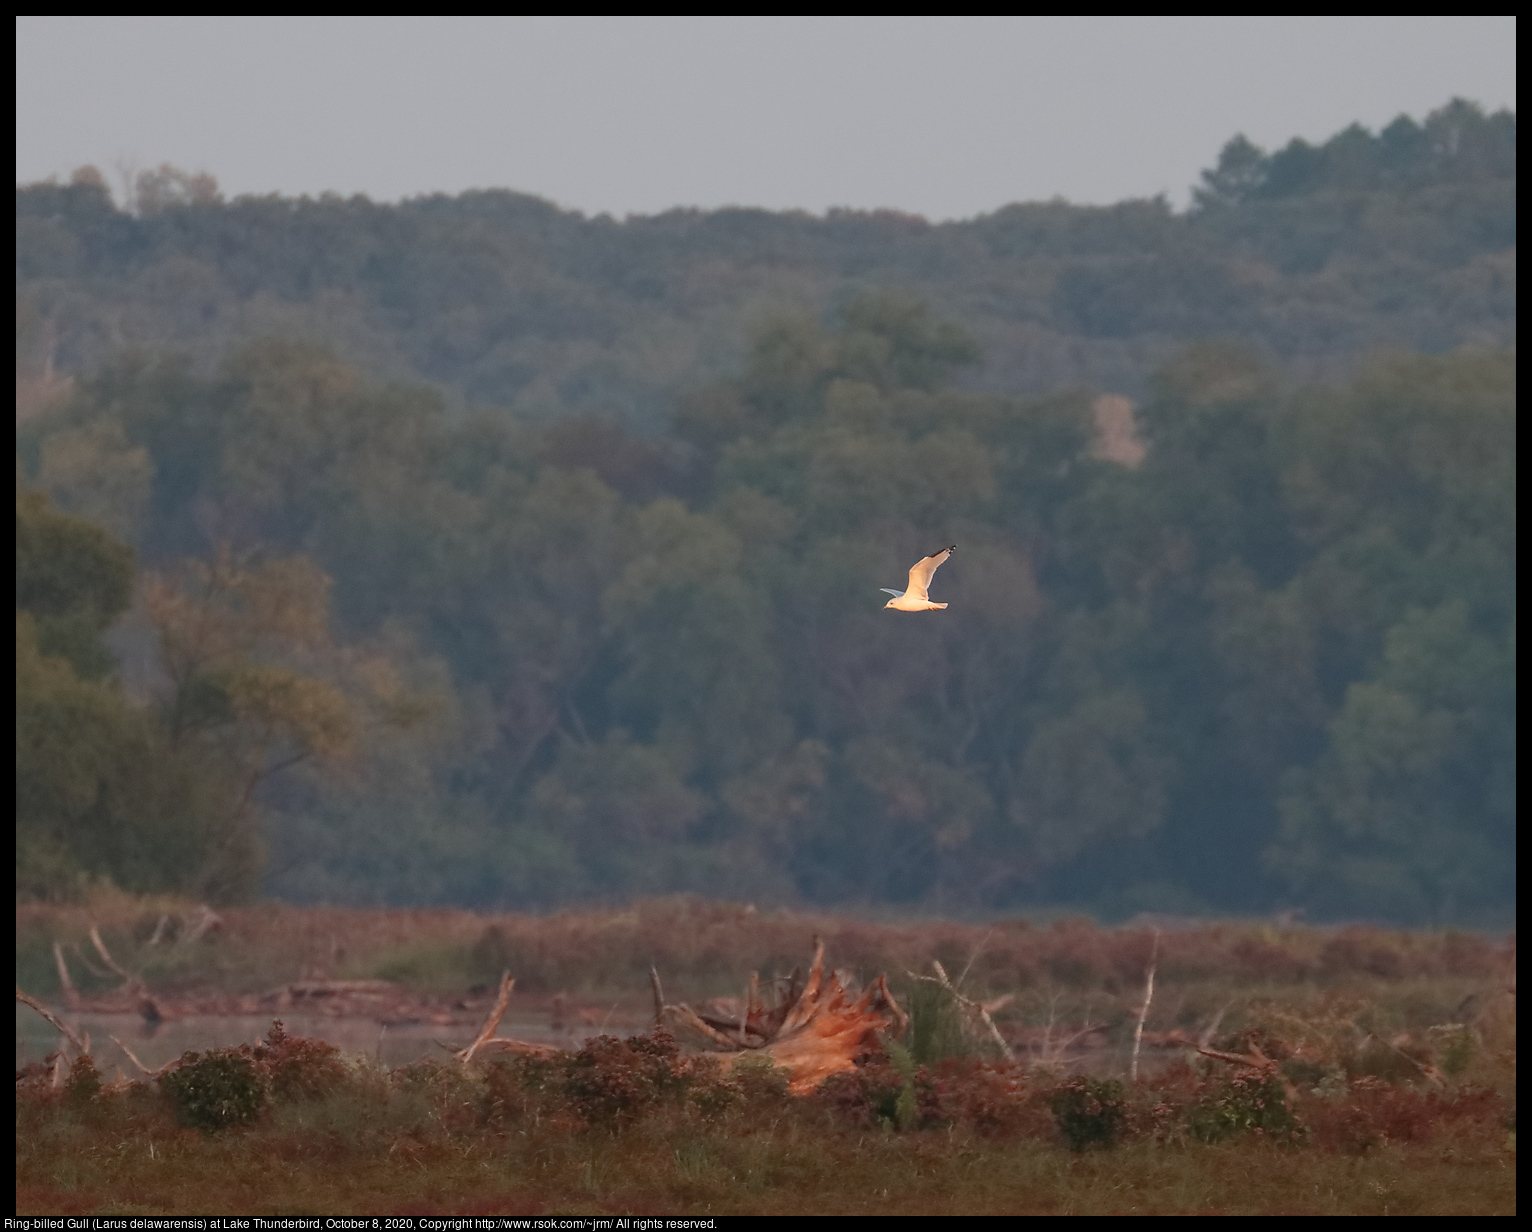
(386, 652)
(1317, 254)
(466, 551)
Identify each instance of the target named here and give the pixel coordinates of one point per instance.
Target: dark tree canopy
(494, 555)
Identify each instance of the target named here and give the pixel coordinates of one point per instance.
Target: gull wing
(887, 591)
(921, 571)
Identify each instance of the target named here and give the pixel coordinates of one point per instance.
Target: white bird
(916, 598)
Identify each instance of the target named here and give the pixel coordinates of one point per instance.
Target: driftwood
(81, 1043)
(207, 921)
(132, 981)
(66, 985)
(488, 1042)
(128, 996)
(140, 1066)
(1143, 1010)
(82, 1046)
(1253, 1059)
(812, 1033)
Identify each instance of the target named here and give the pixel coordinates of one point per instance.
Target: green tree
(1411, 810)
(100, 791)
(99, 794)
(73, 578)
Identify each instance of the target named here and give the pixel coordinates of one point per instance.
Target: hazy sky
(946, 117)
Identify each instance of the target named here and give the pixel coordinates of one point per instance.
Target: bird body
(917, 598)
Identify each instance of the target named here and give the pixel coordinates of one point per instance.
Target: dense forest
(1317, 254)
(467, 550)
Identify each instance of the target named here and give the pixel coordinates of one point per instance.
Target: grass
(705, 948)
(1355, 1016)
(440, 1141)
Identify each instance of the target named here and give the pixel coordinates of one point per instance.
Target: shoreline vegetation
(1302, 1070)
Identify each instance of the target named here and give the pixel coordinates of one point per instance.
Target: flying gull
(915, 598)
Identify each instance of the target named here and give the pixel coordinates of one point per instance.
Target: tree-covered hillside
(1274, 662)
(1319, 254)
(600, 621)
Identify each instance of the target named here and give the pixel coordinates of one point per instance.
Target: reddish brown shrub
(1467, 954)
(1373, 1111)
(868, 1096)
(992, 1099)
(83, 1083)
(512, 1089)
(299, 1068)
(1262, 960)
(1363, 951)
(612, 1081)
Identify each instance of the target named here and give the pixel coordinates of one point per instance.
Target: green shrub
(1088, 1111)
(936, 1025)
(1249, 1102)
(214, 1090)
(759, 1079)
(1457, 1047)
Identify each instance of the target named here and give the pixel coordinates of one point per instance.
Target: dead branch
(659, 996)
(106, 956)
(487, 1041)
(87, 964)
(1429, 1072)
(83, 1048)
(974, 957)
(207, 921)
(689, 1017)
(159, 929)
(141, 1067)
(1206, 1037)
(492, 1023)
(1254, 1059)
(520, 1047)
(132, 981)
(66, 985)
(1143, 1011)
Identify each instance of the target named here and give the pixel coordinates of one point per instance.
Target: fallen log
(812, 1034)
(342, 988)
(1254, 1059)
